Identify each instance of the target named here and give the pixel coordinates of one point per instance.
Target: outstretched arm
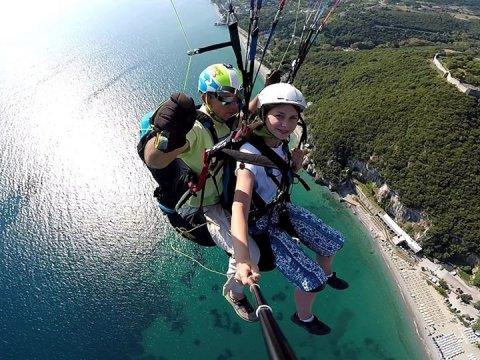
(247, 271)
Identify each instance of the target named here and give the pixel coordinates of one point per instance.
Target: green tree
(466, 298)
(476, 279)
(443, 284)
(476, 325)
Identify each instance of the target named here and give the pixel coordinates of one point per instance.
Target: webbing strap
(209, 48)
(203, 174)
(280, 163)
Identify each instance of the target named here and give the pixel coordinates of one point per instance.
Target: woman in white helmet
(280, 107)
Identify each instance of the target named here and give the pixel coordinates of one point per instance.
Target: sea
(89, 269)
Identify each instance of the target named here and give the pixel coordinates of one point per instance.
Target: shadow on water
(112, 81)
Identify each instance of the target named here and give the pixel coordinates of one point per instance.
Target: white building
(401, 236)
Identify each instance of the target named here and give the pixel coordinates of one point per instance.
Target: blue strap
(166, 210)
(145, 123)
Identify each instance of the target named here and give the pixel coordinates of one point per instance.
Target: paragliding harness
(228, 151)
(177, 183)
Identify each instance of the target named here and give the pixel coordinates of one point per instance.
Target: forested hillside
(376, 97)
(390, 108)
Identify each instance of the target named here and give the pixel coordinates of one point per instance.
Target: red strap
(203, 175)
(243, 133)
(239, 133)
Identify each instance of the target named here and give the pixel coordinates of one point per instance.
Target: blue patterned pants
(299, 269)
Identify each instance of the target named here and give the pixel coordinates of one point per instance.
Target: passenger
(280, 106)
(220, 87)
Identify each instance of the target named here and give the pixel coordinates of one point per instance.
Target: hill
(378, 100)
(389, 108)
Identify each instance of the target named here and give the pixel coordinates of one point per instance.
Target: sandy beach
(378, 235)
(439, 329)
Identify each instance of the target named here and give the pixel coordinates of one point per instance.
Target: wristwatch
(161, 140)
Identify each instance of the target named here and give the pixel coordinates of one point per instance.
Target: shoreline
(429, 313)
(377, 238)
(263, 69)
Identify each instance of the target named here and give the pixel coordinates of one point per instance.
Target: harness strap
(280, 163)
(207, 123)
(254, 159)
(203, 175)
(304, 136)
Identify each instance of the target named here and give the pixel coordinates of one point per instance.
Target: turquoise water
(90, 270)
(369, 320)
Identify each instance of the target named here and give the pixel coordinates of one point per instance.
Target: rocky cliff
(414, 221)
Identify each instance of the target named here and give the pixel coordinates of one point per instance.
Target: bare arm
(253, 105)
(157, 159)
(247, 272)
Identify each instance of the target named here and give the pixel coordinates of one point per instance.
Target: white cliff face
(308, 163)
(383, 193)
(400, 212)
(366, 171)
(312, 169)
(389, 199)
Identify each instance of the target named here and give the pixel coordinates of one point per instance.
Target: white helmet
(281, 93)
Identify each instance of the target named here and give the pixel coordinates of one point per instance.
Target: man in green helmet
(220, 87)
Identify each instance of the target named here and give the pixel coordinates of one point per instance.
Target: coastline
(378, 239)
(427, 309)
(244, 40)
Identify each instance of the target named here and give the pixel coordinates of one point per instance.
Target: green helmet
(221, 78)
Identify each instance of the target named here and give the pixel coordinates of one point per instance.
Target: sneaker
(242, 307)
(336, 282)
(315, 327)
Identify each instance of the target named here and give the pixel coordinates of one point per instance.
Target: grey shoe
(243, 308)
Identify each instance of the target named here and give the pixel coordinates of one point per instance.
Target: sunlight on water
(28, 15)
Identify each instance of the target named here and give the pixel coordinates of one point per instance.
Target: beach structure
(401, 236)
(442, 334)
(448, 345)
(471, 337)
(433, 319)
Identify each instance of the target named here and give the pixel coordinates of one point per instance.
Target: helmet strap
(262, 130)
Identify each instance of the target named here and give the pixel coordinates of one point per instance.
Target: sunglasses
(225, 100)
